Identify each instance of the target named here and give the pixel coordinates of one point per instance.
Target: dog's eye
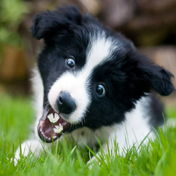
(100, 90)
(70, 62)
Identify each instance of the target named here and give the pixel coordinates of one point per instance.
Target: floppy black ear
(51, 22)
(161, 82)
(150, 76)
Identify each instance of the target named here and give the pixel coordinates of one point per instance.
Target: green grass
(157, 158)
(171, 112)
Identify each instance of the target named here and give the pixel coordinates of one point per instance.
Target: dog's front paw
(30, 146)
(93, 161)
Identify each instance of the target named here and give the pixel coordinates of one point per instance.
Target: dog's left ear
(49, 23)
(148, 76)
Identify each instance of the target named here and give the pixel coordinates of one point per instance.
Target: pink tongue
(47, 128)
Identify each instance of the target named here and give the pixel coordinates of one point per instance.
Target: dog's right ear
(48, 23)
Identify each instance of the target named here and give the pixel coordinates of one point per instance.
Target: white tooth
(56, 116)
(58, 128)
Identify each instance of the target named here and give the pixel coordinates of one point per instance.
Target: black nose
(65, 103)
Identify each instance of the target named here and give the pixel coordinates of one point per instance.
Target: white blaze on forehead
(99, 51)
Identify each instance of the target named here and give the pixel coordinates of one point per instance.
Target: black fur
(127, 76)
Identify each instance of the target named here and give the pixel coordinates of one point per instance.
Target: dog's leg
(30, 146)
(122, 137)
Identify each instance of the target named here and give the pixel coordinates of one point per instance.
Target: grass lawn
(158, 158)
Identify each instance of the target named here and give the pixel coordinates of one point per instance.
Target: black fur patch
(128, 76)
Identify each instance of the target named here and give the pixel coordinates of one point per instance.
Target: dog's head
(91, 75)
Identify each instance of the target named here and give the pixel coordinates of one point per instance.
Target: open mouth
(51, 125)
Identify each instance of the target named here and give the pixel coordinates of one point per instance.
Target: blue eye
(100, 90)
(70, 62)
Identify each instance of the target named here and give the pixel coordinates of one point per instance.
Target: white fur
(38, 90)
(131, 132)
(99, 51)
(37, 87)
(32, 146)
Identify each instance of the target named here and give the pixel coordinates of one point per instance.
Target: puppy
(92, 83)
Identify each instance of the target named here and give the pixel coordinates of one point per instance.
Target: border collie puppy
(91, 83)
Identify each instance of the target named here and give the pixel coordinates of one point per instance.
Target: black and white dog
(92, 83)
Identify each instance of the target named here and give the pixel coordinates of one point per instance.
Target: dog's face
(91, 75)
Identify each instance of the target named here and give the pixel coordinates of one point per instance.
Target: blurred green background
(150, 24)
